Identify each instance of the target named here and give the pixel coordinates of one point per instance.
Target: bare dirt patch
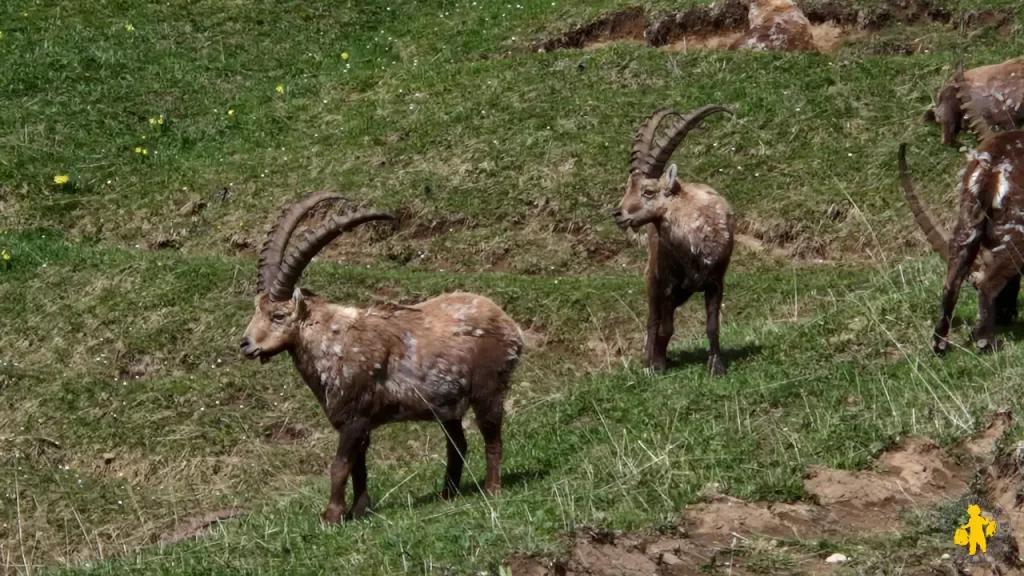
(719, 26)
(743, 537)
(285, 432)
(915, 475)
(195, 526)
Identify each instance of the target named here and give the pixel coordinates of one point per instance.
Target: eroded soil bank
(717, 26)
(727, 534)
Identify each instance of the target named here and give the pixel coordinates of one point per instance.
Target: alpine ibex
(775, 25)
(689, 234)
(991, 218)
(995, 93)
(369, 367)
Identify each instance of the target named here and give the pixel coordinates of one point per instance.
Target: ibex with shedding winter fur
(995, 94)
(991, 223)
(369, 367)
(689, 233)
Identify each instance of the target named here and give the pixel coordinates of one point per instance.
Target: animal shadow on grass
(688, 357)
(469, 488)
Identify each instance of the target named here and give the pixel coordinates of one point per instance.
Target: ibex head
(650, 187)
(947, 113)
(280, 305)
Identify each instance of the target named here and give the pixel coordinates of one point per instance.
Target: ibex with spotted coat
(990, 223)
(690, 230)
(991, 96)
(368, 367)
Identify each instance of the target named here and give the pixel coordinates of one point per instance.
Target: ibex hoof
(985, 345)
(332, 516)
(940, 346)
(717, 366)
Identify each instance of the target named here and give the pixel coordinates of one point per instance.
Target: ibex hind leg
(1006, 301)
(713, 303)
(360, 476)
(489, 418)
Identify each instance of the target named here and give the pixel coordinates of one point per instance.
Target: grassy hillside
(126, 412)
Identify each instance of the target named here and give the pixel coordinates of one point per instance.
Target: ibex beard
(690, 230)
(435, 360)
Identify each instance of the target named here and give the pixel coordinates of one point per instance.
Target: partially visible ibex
(369, 367)
(775, 25)
(689, 233)
(994, 93)
(991, 218)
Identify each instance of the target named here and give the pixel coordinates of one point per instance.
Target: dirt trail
(743, 537)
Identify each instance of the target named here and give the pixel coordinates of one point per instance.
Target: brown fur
(690, 241)
(990, 218)
(369, 367)
(994, 92)
(775, 25)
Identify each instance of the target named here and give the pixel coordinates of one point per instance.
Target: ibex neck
(322, 344)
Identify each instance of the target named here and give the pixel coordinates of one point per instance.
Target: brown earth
(718, 26)
(749, 537)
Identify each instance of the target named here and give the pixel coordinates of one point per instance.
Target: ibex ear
(298, 301)
(670, 180)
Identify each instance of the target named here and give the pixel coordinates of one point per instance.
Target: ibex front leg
(350, 438)
(965, 250)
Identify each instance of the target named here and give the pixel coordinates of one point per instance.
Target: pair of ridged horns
(648, 157)
(280, 269)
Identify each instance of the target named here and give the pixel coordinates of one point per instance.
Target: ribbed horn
(281, 232)
(645, 137)
(936, 235)
(315, 241)
(972, 118)
(671, 140)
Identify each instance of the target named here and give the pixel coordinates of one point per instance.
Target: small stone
(108, 458)
(669, 559)
(836, 558)
(945, 557)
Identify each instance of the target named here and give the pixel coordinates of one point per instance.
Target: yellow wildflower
(129, 28)
(5, 255)
(344, 55)
(1, 33)
(60, 179)
(280, 89)
(152, 121)
(145, 151)
(138, 149)
(160, 121)
(231, 112)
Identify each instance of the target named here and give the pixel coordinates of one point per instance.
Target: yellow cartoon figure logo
(974, 532)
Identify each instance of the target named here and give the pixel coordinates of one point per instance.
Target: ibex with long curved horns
(990, 223)
(689, 234)
(368, 367)
(992, 96)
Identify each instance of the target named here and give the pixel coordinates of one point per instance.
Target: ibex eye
(278, 316)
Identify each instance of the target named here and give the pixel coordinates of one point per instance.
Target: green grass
(125, 407)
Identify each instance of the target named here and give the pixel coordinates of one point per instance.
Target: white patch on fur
(337, 349)
(1003, 187)
(973, 183)
(999, 248)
